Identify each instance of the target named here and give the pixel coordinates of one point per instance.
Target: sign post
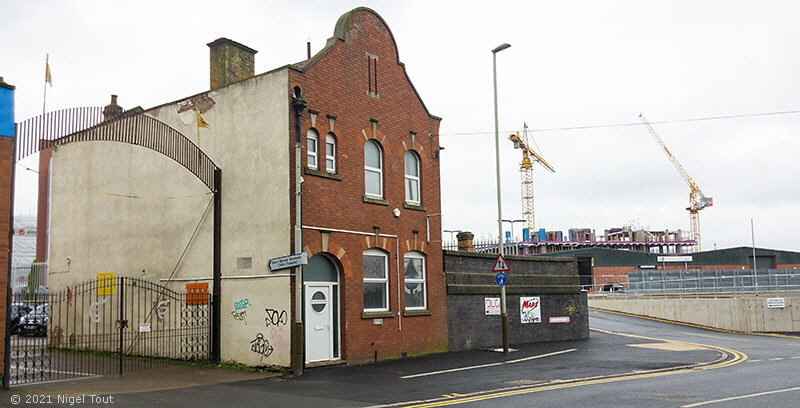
(501, 267)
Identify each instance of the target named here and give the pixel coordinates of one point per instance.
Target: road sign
(776, 303)
(501, 279)
(500, 264)
(289, 261)
(492, 306)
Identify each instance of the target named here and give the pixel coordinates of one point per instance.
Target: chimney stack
(465, 241)
(112, 110)
(230, 62)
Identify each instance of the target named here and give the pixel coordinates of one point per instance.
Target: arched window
(412, 177)
(330, 153)
(312, 138)
(373, 169)
(415, 286)
(376, 280)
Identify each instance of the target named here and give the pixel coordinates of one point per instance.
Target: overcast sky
(578, 63)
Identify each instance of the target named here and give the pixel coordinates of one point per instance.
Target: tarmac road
(628, 361)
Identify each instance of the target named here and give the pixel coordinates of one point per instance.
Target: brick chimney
(112, 110)
(465, 241)
(230, 62)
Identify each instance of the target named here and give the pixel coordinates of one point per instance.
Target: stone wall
(470, 281)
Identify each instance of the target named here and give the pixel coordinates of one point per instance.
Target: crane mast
(529, 156)
(697, 200)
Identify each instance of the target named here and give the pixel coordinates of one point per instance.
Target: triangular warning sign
(500, 264)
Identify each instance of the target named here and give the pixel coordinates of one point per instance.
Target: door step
(326, 363)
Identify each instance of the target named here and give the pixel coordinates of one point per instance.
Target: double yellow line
(728, 357)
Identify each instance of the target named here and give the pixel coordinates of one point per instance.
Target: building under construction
(626, 238)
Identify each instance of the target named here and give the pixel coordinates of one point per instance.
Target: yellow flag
(48, 79)
(201, 122)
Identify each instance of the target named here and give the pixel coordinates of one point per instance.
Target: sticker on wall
(530, 310)
(197, 293)
(492, 306)
(105, 283)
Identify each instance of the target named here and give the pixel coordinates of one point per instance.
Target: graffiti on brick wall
(276, 317)
(261, 346)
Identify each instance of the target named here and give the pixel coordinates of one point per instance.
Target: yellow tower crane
(697, 200)
(526, 171)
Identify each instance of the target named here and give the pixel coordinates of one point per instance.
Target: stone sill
(415, 207)
(377, 315)
(322, 173)
(375, 201)
(416, 312)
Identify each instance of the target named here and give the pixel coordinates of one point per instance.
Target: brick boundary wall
(470, 281)
(6, 180)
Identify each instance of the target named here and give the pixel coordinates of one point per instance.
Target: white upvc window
(376, 280)
(415, 286)
(312, 146)
(412, 178)
(330, 153)
(373, 169)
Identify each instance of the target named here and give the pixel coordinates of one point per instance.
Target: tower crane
(526, 171)
(697, 200)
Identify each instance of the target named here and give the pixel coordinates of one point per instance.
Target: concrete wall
(553, 280)
(746, 314)
(93, 232)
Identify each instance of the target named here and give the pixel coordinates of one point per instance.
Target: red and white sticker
(559, 319)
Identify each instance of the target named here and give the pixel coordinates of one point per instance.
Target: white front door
(319, 322)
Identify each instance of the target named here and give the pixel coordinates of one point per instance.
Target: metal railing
(729, 280)
(29, 280)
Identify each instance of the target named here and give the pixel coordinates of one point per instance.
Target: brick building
(374, 287)
(6, 205)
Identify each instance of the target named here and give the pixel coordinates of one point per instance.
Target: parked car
(613, 287)
(17, 311)
(35, 322)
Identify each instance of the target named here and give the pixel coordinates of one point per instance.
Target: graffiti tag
(95, 310)
(242, 304)
(261, 346)
(241, 316)
(161, 309)
(275, 317)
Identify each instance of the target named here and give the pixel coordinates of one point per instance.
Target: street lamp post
(503, 310)
(512, 222)
(452, 232)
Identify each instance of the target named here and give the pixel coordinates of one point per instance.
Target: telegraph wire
(120, 195)
(614, 125)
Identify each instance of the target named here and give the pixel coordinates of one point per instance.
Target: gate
(110, 325)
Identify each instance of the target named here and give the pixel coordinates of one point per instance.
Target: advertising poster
(530, 310)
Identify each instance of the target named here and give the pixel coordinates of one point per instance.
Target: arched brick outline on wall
(132, 127)
(325, 245)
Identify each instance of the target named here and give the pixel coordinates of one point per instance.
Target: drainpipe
(298, 359)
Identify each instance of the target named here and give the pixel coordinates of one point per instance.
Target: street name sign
(289, 261)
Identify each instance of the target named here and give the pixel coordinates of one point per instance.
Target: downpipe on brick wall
(298, 347)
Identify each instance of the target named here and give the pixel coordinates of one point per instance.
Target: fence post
(121, 321)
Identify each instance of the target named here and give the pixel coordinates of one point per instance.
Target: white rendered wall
(248, 139)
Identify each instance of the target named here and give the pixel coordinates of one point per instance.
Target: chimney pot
(112, 110)
(230, 62)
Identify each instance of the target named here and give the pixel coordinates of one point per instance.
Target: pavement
(415, 380)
